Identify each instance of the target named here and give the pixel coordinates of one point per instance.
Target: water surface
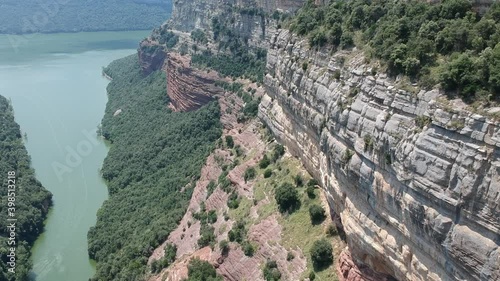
(59, 96)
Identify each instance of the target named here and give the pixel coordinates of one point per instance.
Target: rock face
(151, 56)
(244, 17)
(416, 185)
(189, 88)
(352, 271)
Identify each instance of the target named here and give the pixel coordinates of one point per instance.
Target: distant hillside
(46, 16)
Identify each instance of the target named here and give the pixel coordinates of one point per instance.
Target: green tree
(287, 197)
(317, 213)
(264, 162)
(229, 141)
(271, 271)
(321, 253)
(250, 174)
(461, 74)
(199, 270)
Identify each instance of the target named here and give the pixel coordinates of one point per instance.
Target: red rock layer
(350, 270)
(187, 87)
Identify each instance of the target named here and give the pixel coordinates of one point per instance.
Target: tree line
(32, 200)
(446, 42)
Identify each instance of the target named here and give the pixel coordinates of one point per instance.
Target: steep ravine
(416, 202)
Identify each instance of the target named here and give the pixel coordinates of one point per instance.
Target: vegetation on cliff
(447, 42)
(236, 58)
(29, 16)
(32, 201)
(199, 270)
(155, 157)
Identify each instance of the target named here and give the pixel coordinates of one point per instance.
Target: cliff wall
(414, 179)
(247, 17)
(189, 88)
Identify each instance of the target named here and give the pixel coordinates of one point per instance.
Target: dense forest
(47, 16)
(447, 42)
(155, 158)
(32, 201)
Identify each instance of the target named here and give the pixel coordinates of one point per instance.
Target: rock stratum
(189, 88)
(416, 201)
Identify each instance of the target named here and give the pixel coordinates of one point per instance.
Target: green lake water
(59, 96)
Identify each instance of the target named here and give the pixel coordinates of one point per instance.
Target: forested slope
(32, 201)
(155, 157)
(447, 42)
(46, 16)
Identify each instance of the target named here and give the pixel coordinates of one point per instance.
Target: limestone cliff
(415, 182)
(248, 18)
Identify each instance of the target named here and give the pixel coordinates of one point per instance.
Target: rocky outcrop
(414, 179)
(350, 270)
(247, 17)
(189, 88)
(151, 56)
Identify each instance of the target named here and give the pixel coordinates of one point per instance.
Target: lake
(59, 97)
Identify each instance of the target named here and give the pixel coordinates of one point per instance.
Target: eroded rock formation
(414, 179)
(151, 55)
(189, 88)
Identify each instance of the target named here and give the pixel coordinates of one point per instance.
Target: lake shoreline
(60, 108)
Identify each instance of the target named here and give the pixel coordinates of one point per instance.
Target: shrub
(287, 197)
(298, 180)
(199, 36)
(312, 276)
(331, 230)
(248, 249)
(233, 201)
(224, 247)
(207, 236)
(251, 109)
(271, 272)
(229, 141)
(422, 121)
(224, 181)
(238, 233)
(289, 256)
(268, 173)
(336, 74)
(250, 174)
(279, 150)
(212, 216)
(321, 253)
(238, 150)
(211, 187)
(368, 143)
(305, 65)
(310, 192)
(317, 213)
(264, 162)
(199, 270)
(312, 182)
(346, 157)
(170, 252)
(168, 258)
